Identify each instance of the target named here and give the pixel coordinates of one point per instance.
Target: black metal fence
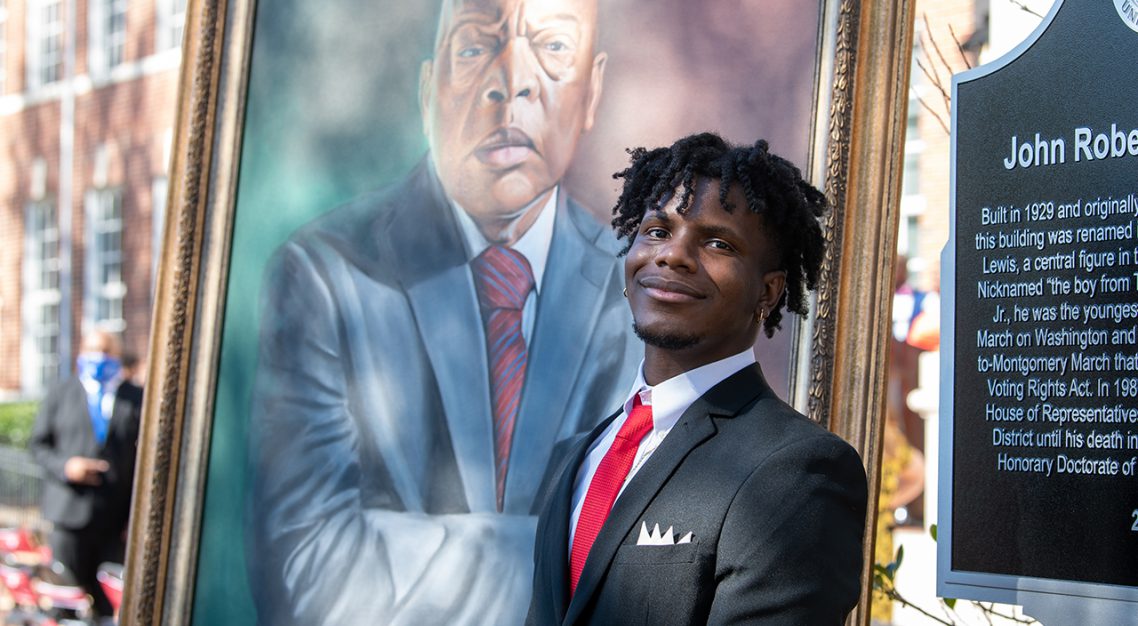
(21, 484)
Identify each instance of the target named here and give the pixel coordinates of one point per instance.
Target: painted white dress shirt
(534, 246)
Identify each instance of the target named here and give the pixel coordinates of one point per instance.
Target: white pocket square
(654, 538)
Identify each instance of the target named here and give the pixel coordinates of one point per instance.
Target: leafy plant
(16, 422)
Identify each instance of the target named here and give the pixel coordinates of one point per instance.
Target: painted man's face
(513, 86)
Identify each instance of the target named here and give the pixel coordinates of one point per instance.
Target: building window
(913, 203)
(41, 327)
(44, 42)
(158, 190)
(914, 146)
(105, 289)
(171, 23)
(3, 46)
(108, 34)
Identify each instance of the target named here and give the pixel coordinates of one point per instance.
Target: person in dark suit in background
(425, 348)
(85, 437)
(706, 498)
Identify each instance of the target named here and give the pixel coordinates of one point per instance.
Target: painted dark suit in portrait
(395, 464)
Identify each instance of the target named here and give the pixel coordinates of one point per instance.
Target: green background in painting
(313, 139)
(332, 112)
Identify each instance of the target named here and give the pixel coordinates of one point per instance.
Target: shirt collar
(671, 398)
(91, 386)
(534, 244)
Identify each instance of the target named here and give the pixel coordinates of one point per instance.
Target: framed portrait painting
(335, 434)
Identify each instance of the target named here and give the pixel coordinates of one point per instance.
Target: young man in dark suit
(706, 498)
(86, 437)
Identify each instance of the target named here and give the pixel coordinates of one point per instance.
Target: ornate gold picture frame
(850, 145)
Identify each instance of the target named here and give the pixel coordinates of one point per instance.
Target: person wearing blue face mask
(85, 438)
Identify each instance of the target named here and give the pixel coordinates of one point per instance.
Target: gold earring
(626, 292)
(761, 316)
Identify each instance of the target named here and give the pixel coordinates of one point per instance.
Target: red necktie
(605, 486)
(503, 279)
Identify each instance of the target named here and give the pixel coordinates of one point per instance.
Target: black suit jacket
(776, 508)
(62, 430)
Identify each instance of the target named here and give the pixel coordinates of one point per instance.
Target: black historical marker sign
(1040, 405)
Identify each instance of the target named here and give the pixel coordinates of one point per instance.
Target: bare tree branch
(959, 47)
(933, 113)
(990, 609)
(1023, 7)
(891, 592)
(986, 612)
(936, 46)
(935, 80)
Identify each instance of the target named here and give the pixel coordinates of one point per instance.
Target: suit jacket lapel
(556, 537)
(694, 427)
(433, 266)
(79, 395)
(569, 303)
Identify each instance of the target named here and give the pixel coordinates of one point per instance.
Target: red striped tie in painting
(503, 279)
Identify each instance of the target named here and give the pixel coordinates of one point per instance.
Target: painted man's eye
(470, 52)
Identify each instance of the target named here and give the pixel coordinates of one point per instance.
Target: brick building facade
(87, 99)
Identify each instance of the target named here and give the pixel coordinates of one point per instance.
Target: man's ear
(774, 283)
(596, 86)
(426, 69)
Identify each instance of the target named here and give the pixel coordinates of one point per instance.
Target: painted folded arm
(322, 558)
(329, 539)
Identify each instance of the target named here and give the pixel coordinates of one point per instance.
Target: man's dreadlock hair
(774, 189)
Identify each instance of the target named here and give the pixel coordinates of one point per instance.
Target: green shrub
(16, 422)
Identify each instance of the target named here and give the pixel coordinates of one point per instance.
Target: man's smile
(665, 290)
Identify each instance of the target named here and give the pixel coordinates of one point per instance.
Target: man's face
(697, 281)
(512, 87)
(101, 342)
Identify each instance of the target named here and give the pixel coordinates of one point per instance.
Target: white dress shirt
(91, 386)
(533, 245)
(668, 400)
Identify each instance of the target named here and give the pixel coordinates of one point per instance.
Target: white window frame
(40, 367)
(171, 24)
(913, 202)
(104, 296)
(159, 188)
(3, 47)
(106, 47)
(39, 32)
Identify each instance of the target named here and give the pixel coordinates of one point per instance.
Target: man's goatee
(665, 341)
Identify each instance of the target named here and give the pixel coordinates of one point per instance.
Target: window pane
(105, 256)
(118, 31)
(177, 21)
(51, 41)
(42, 255)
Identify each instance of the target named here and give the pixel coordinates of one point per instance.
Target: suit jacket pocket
(657, 555)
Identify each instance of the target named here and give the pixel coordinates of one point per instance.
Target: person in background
(133, 369)
(85, 437)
